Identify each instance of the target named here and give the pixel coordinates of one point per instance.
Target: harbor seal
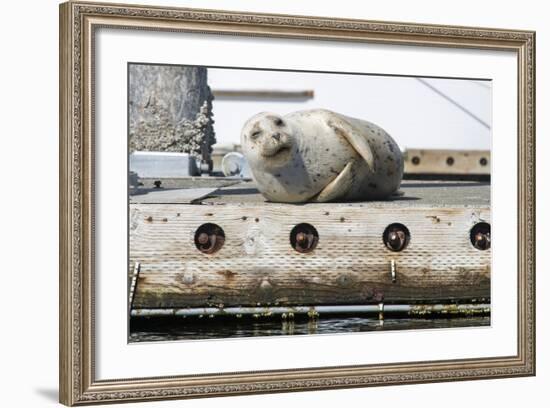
(320, 156)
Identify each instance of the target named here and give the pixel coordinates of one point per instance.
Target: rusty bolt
(203, 238)
(212, 243)
(482, 241)
(396, 240)
(396, 237)
(304, 238)
(209, 238)
(480, 236)
(305, 242)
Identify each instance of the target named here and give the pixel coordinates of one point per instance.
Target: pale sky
(431, 113)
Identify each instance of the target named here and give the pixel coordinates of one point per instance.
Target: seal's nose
(276, 136)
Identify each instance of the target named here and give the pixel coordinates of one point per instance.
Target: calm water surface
(142, 330)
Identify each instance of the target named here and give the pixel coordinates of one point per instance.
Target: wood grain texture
(455, 162)
(257, 264)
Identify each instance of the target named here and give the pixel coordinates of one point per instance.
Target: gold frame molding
(78, 22)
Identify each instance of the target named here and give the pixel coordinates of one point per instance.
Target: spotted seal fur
(320, 156)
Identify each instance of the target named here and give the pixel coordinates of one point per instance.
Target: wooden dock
(254, 261)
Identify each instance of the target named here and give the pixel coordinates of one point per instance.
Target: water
(147, 330)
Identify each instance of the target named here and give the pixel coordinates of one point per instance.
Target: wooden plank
(412, 193)
(350, 265)
(453, 162)
(185, 182)
(188, 195)
(269, 94)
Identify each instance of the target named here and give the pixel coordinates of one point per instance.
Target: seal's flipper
(358, 141)
(338, 187)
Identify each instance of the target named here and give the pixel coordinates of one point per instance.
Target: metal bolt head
(209, 238)
(396, 237)
(203, 238)
(304, 238)
(304, 241)
(482, 240)
(480, 236)
(396, 240)
(301, 237)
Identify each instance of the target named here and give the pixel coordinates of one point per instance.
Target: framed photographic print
(260, 203)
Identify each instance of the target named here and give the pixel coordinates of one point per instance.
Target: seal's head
(267, 141)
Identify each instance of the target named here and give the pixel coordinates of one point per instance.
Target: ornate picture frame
(78, 24)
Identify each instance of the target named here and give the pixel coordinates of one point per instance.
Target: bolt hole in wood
(209, 238)
(480, 236)
(483, 161)
(304, 238)
(415, 160)
(396, 237)
(450, 161)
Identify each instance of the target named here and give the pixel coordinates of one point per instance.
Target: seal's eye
(279, 122)
(255, 135)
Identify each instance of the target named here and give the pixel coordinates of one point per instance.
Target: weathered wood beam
(350, 265)
(262, 94)
(447, 162)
